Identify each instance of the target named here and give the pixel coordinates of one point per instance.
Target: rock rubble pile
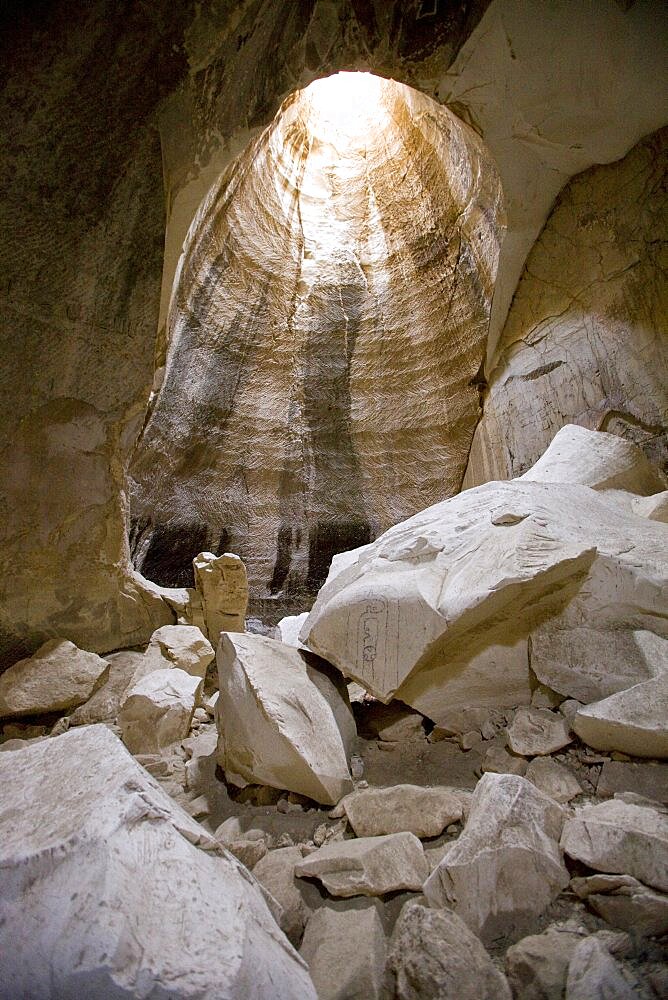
(289, 828)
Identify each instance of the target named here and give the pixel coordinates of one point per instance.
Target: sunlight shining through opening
(346, 105)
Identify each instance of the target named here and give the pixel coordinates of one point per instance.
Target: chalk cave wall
(118, 118)
(327, 328)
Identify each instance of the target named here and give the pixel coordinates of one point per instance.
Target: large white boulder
(109, 889)
(634, 721)
(126, 667)
(276, 872)
(595, 459)
(184, 646)
(158, 710)
(593, 974)
(57, 677)
(439, 609)
(368, 866)
(625, 836)
(434, 954)
(506, 867)
(537, 732)
(625, 902)
(284, 717)
(290, 627)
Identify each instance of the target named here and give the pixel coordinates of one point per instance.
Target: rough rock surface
(585, 340)
(653, 507)
(434, 954)
(290, 627)
(223, 586)
(506, 867)
(621, 837)
(285, 718)
(368, 866)
(650, 780)
(634, 721)
(553, 778)
(425, 812)
(126, 667)
(184, 646)
(158, 710)
(104, 895)
(625, 902)
(537, 966)
(57, 676)
(346, 951)
(537, 731)
(481, 573)
(276, 872)
(593, 974)
(326, 251)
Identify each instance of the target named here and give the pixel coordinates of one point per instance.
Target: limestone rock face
(654, 507)
(290, 627)
(158, 710)
(438, 611)
(368, 866)
(184, 646)
(58, 676)
(126, 667)
(423, 811)
(276, 872)
(634, 721)
(506, 867)
(329, 291)
(346, 951)
(537, 966)
(284, 720)
(223, 585)
(625, 902)
(537, 731)
(620, 837)
(105, 894)
(593, 974)
(434, 954)
(585, 338)
(553, 778)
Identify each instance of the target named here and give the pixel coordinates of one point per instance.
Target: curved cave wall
(328, 321)
(117, 118)
(586, 339)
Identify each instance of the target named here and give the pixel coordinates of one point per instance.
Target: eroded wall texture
(586, 339)
(327, 326)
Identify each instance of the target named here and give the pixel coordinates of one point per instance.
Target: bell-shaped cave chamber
(327, 325)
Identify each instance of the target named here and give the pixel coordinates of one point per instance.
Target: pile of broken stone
(178, 822)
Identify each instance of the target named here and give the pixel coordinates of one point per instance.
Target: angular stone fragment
(126, 667)
(654, 508)
(370, 866)
(373, 812)
(56, 677)
(593, 974)
(634, 721)
(537, 966)
(393, 723)
(183, 645)
(619, 837)
(537, 731)
(553, 778)
(289, 629)
(497, 760)
(345, 950)
(285, 718)
(104, 895)
(223, 587)
(650, 780)
(506, 867)
(625, 902)
(158, 710)
(434, 954)
(276, 872)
